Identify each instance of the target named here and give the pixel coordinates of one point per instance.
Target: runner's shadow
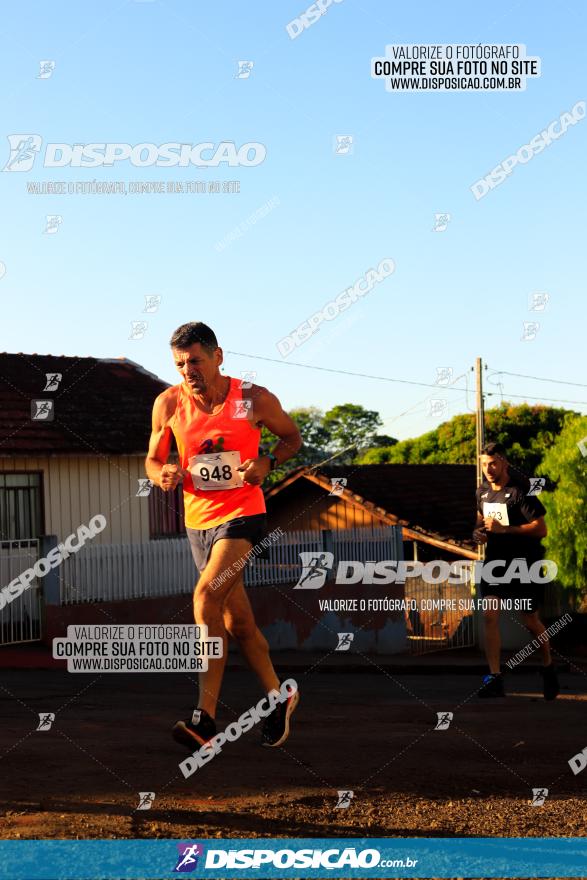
(233, 823)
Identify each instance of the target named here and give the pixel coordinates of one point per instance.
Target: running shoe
(492, 686)
(550, 685)
(196, 732)
(275, 729)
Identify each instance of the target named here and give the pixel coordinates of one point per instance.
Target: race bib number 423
(216, 470)
(496, 510)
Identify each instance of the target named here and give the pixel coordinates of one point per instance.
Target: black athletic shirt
(520, 508)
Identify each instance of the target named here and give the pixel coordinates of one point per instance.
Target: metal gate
(20, 619)
(442, 619)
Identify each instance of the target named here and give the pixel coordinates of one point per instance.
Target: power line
(259, 357)
(533, 397)
(538, 378)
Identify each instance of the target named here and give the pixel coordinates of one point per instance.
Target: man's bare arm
(276, 420)
(267, 410)
(479, 533)
(166, 476)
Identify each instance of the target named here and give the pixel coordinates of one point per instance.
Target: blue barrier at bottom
(291, 857)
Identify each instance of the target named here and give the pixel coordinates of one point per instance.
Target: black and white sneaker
(550, 685)
(492, 686)
(275, 729)
(195, 732)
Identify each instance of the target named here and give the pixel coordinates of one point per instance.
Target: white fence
(20, 620)
(111, 572)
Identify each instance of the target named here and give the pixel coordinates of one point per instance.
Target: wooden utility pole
(479, 416)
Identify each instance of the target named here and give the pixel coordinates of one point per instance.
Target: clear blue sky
(164, 71)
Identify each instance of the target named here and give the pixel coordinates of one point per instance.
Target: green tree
(526, 431)
(383, 440)
(315, 437)
(566, 542)
(350, 424)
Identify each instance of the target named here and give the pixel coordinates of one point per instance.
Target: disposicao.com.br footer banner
(293, 857)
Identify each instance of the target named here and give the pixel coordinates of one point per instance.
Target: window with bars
(166, 517)
(21, 505)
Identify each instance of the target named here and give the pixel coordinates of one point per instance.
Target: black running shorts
(515, 590)
(253, 528)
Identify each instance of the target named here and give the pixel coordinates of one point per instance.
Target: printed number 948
(216, 474)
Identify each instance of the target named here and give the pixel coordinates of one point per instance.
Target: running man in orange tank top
(217, 424)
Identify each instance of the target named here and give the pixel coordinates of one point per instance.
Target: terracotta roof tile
(100, 405)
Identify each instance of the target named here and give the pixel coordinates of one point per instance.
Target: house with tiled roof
(74, 433)
(434, 504)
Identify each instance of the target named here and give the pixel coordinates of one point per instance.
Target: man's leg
(240, 624)
(533, 623)
(492, 639)
(209, 600)
(550, 683)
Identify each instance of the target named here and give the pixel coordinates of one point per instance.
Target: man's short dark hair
(194, 331)
(494, 448)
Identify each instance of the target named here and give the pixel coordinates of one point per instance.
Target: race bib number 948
(216, 470)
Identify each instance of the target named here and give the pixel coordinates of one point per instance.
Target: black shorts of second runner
(515, 590)
(253, 528)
